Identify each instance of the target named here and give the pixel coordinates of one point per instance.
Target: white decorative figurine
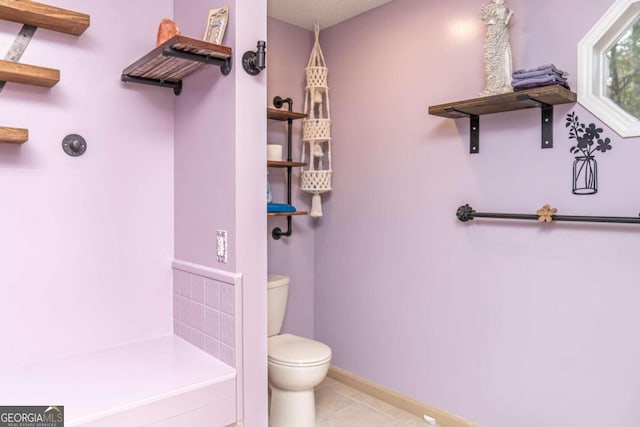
(316, 130)
(497, 48)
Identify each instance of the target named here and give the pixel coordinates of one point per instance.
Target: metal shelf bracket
(547, 119)
(474, 129)
(546, 124)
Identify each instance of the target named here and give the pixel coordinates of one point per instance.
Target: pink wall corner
(204, 151)
(289, 48)
(87, 240)
(503, 323)
(220, 183)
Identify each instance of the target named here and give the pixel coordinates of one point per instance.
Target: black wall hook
(254, 62)
(74, 145)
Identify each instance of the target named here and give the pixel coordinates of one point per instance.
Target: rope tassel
(316, 206)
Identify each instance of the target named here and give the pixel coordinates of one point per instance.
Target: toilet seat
(294, 351)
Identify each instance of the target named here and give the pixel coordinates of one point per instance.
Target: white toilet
(296, 364)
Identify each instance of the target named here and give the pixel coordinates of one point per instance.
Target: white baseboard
(444, 418)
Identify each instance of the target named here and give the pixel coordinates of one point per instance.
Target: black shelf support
(474, 134)
(254, 62)
(466, 213)
(277, 232)
(547, 126)
(547, 119)
(224, 64)
(474, 123)
(474, 129)
(176, 86)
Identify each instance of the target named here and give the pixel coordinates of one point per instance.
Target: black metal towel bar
(466, 213)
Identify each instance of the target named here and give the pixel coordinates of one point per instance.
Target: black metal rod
(277, 232)
(466, 213)
(261, 55)
(278, 102)
(152, 82)
(224, 64)
(169, 51)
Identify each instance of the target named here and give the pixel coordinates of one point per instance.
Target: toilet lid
(289, 349)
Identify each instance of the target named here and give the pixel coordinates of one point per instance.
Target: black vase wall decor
(588, 141)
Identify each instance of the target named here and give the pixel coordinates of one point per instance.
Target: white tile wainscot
(207, 312)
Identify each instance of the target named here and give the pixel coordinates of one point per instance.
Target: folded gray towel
(540, 80)
(541, 70)
(539, 73)
(535, 85)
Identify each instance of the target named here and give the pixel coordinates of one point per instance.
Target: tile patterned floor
(338, 405)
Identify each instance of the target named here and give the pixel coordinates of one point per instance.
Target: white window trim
(591, 81)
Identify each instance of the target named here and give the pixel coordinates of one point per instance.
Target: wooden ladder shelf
(33, 14)
(28, 74)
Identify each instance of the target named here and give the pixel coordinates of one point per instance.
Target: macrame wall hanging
(316, 129)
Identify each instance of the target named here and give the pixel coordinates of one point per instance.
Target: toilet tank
(277, 291)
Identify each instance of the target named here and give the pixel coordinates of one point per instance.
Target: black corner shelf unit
(286, 116)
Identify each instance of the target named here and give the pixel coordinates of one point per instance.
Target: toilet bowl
(295, 365)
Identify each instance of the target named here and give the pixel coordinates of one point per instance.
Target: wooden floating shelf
(28, 74)
(542, 97)
(180, 56)
(283, 115)
(276, 164)
(286, 213)
(155, 65)
(13, 135)
(44, 16)
(549, 95)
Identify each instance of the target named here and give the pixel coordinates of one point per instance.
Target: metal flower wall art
(585, 167)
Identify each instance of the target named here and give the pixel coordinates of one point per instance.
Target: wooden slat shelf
(276, 164)
(169, 63)
(287, 213)
(44, 16)
(28, 74)
(13, 135)
(283, 115)
(542, 97)
(550, 95)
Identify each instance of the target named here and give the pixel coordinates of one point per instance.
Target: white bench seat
(161, 382)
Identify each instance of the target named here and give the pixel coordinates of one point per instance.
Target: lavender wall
(204, 152)
(289, 49)
(251, 245)
(503, 323)
(87, 240)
